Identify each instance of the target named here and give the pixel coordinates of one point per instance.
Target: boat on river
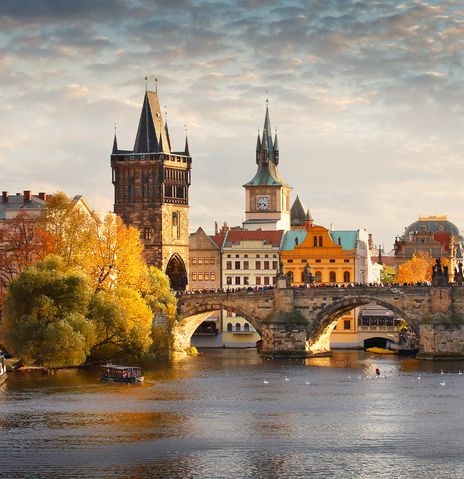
(381, 351)
(121, 374)
(2, 368)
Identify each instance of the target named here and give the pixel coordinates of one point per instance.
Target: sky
(367, 97)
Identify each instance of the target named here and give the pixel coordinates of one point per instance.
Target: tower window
(148, 233)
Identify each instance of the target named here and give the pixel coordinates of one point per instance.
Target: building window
(274, 265)
(148, 233)
(289, 261)
(245, 256)
(346, 260)
(229, 327)
(206, 276)
(266, 265)
(258, 280)
(194, 261)
(331, 261)
(212, 260)
(315, 241)
(246, 265)
(200, 260)
(237, 327)
(346, 324)
(332, 277)
(194, 276)
(304, 260)
(302, 277)
(200, 276)
(318, 261)
(212, 276)
(290, 275)
(229, 280)
(257, 255)
(237, 265)
(229, 265)
(246, 280)
(320, 240)
(237, 280)
(246, 327)
(274, 280)
(346, 277)
(206, 260)
(318, 277)
(266, 280)
(258, 264)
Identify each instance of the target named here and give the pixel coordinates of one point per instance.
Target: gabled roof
(235, 236)
(347, 239)
(151, 134)
(201, 235)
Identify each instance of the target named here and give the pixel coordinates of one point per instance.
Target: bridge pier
(283, 335)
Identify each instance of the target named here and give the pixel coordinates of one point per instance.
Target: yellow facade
(330, 263)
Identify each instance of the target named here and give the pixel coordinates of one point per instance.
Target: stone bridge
(298, 322)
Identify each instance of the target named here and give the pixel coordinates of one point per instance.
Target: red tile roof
(269, 237)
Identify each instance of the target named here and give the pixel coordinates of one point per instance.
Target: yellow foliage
(418, 269)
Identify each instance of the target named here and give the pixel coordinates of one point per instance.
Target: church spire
(186, 149)
(166, 129)
(258, 148)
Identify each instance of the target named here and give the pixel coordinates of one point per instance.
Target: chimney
(43, 196)
(27, 195)
(4, 196)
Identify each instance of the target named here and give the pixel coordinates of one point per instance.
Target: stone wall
(441, 340)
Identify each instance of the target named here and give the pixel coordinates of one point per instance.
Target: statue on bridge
(458, 274)
(308, 277)
(440, 274)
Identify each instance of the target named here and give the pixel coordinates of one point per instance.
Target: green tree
(387, 275)
(163, 304)
(45, 315)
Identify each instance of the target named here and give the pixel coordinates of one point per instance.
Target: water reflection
(213, 416)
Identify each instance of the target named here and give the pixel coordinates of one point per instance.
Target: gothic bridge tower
(151, 186)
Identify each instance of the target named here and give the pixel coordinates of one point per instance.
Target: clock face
(263, 202)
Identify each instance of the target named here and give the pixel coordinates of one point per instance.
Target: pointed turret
(379, 259)
(258, 148)
(299, 216)
(186, 149)
(166, 130)
(276, 149)
(115, 145)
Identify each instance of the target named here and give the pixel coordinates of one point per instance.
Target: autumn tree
(73, 229)
(117, 256)
(46, 315)
(23, 242)
(417, 269)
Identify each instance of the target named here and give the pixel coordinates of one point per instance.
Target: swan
(443, 383)
(266, 382)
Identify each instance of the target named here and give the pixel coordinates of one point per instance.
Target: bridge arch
(325, 320)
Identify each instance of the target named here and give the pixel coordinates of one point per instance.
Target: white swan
(443, 383)
(266, 382)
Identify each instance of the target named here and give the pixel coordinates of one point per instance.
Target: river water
(213, 416)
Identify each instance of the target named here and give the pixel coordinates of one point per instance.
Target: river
(232, 414)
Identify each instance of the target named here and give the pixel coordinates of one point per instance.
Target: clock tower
(267, 196)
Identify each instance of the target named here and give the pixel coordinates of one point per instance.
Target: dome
(433, 224)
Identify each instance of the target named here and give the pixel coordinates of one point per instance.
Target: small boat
(381, 351)
(121, 374)
(2, 368)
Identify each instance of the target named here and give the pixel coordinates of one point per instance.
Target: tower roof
(298, 213)
(151, 134)
(267, 173)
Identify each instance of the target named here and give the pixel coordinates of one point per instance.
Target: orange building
(331, 257)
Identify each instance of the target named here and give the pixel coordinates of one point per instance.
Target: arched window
(346, 277)
(229, 327)
(237, 327)
(320, 240)
(318, 277)
(333, 277)
(315, 241)
(246, 327)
